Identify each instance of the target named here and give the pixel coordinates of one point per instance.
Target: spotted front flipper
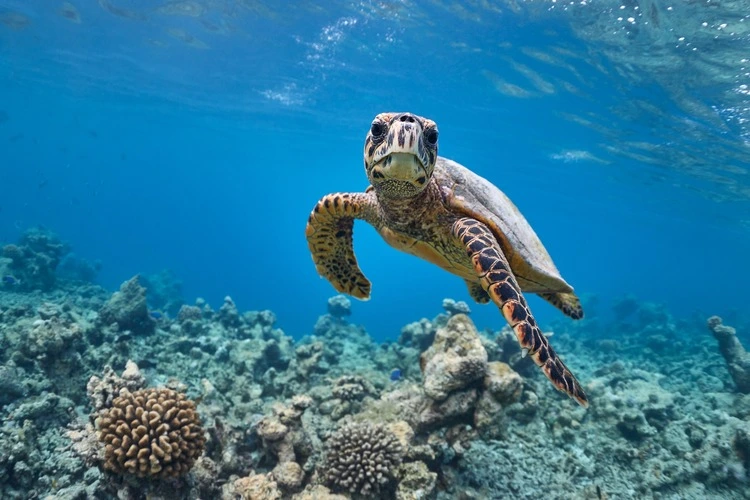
(500, 284)
(568, 303)
(329, 235)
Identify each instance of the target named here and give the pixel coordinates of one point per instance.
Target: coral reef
(321, 417)
(339, 306)
(31, 263)
(75, 268)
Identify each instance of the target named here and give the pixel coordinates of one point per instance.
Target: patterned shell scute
(477, 197)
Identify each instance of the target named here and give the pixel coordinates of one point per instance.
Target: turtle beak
(404, 167)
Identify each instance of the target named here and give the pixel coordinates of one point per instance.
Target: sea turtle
(439, 210)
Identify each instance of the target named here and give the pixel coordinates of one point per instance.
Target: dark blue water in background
(197, 136)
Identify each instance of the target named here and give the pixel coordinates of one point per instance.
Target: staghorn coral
(151, 433)
(362, 458)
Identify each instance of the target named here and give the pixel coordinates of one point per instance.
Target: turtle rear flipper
(568, 303)
(494, 273)
(330, 239)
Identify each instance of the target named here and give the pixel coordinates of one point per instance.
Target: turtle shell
(472, 195)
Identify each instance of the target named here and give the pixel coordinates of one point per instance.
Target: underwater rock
(190, 319)
(738, 360)
(189, 313)
(259, 325)
(50, 337)
(264, 359)
(504, 384)
(349, 391)
(526, 409)
(502, 388)
(352, 388)
(309, 359)
(253, 487)
(163, 291)
(205, 477)
(318, 492)
(228, 314)
(339, 306)
(420, 334)
(31, 264)
(49, 310)
(265, 319)
(453, 307)
(488, 419)
(633, 403)
(288, 475)
(45, 407)
(457, 407)
(128, 309)
(103, 390)
(11, 384)
(404, 432)
(284, 437)
(78, 269)
(455, 359)
(416, 482)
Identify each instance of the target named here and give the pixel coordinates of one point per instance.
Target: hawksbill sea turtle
(440, 211)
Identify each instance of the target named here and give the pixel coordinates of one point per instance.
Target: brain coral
(151, 433)
(362, 458)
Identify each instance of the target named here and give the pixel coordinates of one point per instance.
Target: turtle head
(400, 154)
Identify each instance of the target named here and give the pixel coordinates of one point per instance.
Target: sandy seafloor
(465, 417)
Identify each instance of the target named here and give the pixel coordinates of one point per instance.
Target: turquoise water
(197, 136)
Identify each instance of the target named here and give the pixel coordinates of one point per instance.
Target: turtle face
(400, 154)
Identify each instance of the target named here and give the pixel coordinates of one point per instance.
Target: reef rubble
(100, 398)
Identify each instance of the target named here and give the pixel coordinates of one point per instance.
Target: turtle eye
(377, 129)
(431, 136)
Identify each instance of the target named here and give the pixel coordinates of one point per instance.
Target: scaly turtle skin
(438, 210)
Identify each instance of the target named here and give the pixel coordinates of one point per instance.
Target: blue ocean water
(197, 136)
